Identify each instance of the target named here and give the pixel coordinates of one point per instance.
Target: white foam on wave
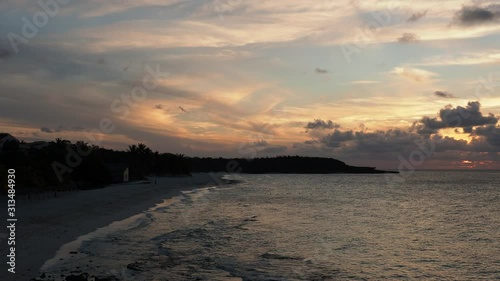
(66, 252)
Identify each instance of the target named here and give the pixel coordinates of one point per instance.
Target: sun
(468, 164)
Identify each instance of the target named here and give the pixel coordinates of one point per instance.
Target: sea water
(433, 225)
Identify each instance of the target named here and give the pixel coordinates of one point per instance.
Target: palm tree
(62, 143)
(132, 149)
(143, 149)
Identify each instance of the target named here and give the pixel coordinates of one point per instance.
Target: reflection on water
(309, 227)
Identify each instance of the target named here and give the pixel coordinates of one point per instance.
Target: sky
(391, 84)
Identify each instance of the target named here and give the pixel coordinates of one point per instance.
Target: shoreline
(44, 226)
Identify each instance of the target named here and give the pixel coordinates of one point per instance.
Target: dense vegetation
(65, 165)
(62, 164)
(280, 164)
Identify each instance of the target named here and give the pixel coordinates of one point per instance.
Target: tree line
(36, 168)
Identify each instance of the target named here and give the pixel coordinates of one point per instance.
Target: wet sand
(43, 226)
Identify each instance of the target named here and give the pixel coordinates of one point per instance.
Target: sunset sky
(361, 81)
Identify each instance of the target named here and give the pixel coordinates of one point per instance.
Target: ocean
(434, 225)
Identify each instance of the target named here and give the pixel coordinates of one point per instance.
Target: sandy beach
(43, 226)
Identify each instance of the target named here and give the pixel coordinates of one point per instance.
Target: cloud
(264, 128)
(261, 143)
(459, 117)
(443, 94)
(263, 147)
(416, 16)
(408, 38)
(321, 71)
(205, 29)
(491, 134)
(5, 53)
(222, 108)
(387, 144)
(46, 130)
(468, 58)
(277, 149)
(336, 138)
(362, 82)
(475, 15)
(320, 124)
(61, 128)
(380, 144)
(102, 61)
(92, 8)
(414, 74)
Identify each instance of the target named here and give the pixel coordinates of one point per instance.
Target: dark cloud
(474, 15)
(336, 138)
(261, 143)
(321, 71)
(102, 61)
(416, 16)
(491, 133)
(263, 147)
(387, 146)
(311, 142)
(320, 124)
(5, 53)
(468, 130)
(444, 144)
(379, 145)
(390, 144)
(63, 63)
(443, 94)
(264, 128)
(46, 130)
(61, 128)
(277, 149)
(159, 106)
(469, 116)
(459, 117)
(408, 38)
